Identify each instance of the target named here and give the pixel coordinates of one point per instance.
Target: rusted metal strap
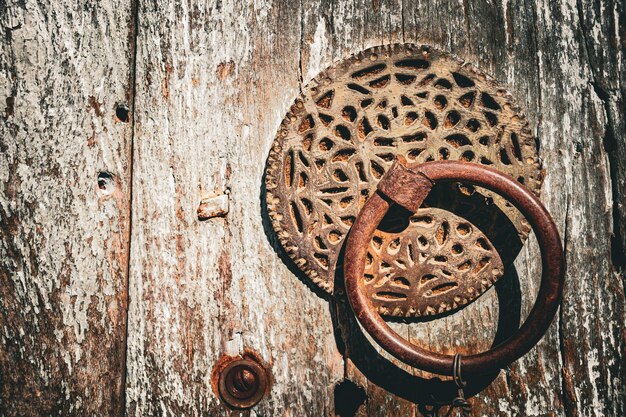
(404, 185)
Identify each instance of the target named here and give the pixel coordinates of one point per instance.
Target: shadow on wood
(429, 394)
(353, 344)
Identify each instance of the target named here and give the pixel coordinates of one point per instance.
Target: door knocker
(417, 176)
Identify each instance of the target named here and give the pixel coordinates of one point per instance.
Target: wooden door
(121, 119)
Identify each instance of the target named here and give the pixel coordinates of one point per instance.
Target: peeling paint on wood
(64, 207)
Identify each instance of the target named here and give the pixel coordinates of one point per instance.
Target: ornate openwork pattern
(342, 134)
(440, 262)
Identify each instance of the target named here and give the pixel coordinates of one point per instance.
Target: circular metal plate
(340, 137)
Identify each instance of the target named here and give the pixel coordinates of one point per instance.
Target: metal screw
(243, 383)
(244, 380)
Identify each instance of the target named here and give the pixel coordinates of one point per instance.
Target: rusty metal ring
(408, 185)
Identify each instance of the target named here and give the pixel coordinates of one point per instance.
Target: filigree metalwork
(342, 134)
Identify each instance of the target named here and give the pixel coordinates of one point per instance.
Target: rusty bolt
(243, 383)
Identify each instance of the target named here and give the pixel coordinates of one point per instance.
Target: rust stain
(229, 171)
(223, 265)
(569, 390)
(217, 370)
(93, 104)
(165, 84)
(190, 344)
(180, 213)
(226, 318)
(180, 254)
(225, 69)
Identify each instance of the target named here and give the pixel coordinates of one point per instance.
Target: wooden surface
(64, 242)
(207, 85)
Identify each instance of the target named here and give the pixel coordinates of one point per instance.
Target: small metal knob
(243, 383)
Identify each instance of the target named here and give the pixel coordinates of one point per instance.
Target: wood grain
(213, 81)
(64, 68)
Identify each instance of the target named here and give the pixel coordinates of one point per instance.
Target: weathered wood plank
(498, 38)
(213, 83)
(64, 67)
(539, 50)
(582, 125)
(335, 30)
